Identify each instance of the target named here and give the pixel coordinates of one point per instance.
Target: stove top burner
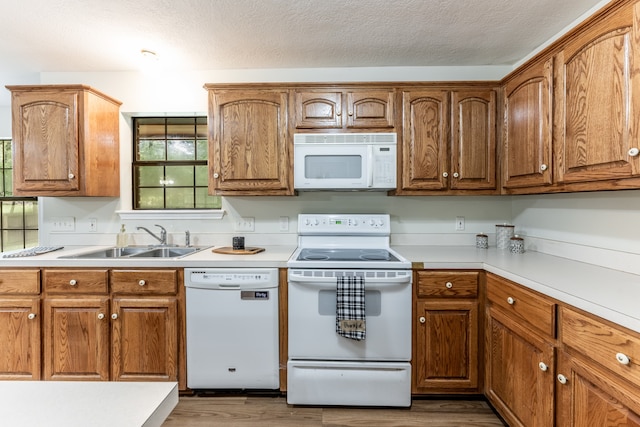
(312, 254)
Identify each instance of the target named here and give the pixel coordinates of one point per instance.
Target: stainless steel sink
(137, 252)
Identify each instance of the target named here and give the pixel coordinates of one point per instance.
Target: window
(18, 215)
(170, 164)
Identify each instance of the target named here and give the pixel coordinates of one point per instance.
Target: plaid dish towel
(350, 317)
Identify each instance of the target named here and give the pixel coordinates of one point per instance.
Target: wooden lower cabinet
(587, 395)
(446, 330)
(20, 325)
(519, 372)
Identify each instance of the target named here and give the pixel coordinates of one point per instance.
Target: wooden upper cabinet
(425, 136)
(527, 131)
(249, 143)
(473, 134)
(598, 103)
(66, 141)
(343, 109)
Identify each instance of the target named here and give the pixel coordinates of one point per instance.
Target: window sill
(172, 214)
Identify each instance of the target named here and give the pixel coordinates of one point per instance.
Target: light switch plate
(63, 223)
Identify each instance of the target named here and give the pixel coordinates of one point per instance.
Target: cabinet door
(318, 109)
(144, 339)
(20, 338)
(473, 133)
(527, 127)
(76, 338)
(425, 136)
(45, 134)
(519, 373)
(586, 395)
(446, 354)
(250, 153)
(370, 109)
(598, 102)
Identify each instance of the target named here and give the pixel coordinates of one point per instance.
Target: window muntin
(170, 164)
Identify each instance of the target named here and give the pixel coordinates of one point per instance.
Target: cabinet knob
(623, 358)
(511, 301)
(31, 316)
(142, 283)
(114, 316)
(456, 175)
(445, 174)
(562, 379)
(100, 316)
(422, 319)
(543, 167)
(543, 366)
(73, 282)
(449, 285)
(71, 176)
(215, 175)
(633, 152)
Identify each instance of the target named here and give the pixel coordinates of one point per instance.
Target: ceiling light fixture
(149, 54)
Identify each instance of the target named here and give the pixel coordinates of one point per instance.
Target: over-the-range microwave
(344, 161)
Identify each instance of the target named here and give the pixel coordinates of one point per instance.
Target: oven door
(332, 166)
(312, 316)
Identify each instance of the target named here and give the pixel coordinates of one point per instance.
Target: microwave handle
(369, 166)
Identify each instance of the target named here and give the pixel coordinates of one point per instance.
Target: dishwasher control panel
(232, 278)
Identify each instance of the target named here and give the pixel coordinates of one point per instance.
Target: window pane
(150, 198)
(31, 238)
(150, 176)
(179, 176)
(202, 148)
(206, 201)
(151, 150)
(7, 155)
(201, 129)
(202, 176)
(31, 215)
(180, 127)
(181, 150)
(12, 217)
(149, 128)
(8, 183)
(12, 240)
(180, 198)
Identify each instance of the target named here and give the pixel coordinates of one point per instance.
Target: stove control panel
(344, 224)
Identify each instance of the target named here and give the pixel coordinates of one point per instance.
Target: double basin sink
(138, 252)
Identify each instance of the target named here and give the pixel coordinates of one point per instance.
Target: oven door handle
(330, 282)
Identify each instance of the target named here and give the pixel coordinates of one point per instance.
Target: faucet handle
(187, 238)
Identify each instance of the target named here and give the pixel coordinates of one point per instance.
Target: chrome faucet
(187, 238)
(163, 234)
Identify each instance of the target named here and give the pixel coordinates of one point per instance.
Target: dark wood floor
(249, 411)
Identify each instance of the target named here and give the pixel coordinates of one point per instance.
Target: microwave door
(332, 167)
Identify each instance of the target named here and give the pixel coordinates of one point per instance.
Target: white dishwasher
(232, 328)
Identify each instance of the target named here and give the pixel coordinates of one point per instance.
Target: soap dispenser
(122, 240)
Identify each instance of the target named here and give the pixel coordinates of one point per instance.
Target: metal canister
(504, 232)
(482, 241)
(516, 245)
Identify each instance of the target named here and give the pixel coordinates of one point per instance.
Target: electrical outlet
(63, 223)
(93, 225)
(459, 223)
(284, 223)
(244, 224)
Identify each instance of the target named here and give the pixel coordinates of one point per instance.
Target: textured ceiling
(107, 35)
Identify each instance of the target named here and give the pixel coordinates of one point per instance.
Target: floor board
(251, 411)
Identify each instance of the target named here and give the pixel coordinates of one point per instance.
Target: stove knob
(372, 222)
(315, 221)
(380, 222)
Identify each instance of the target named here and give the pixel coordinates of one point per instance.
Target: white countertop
(86, 403)
(610, 294)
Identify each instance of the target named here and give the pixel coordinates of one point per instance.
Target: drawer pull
(31, 316)
(114, 316)
(422, 319)
(623, 358)
(100, 316)
(73, 282)
(543, 167)
(543, 366)
(634, 151)
(449, 285)
(456, 175)
(511, 301)
(445, 174)
(142, 283)
(562, 379)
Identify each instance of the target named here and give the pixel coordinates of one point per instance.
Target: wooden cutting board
(228, 250)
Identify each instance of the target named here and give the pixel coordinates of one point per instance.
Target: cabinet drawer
(531, 308)
(76, 281)
(448, 284)
(606, 344)
(144, 281)
(19, 281)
